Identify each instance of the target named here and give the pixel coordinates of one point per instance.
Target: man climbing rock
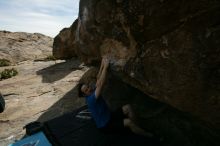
(106, 120)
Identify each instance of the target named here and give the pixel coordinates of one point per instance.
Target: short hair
(80, 93)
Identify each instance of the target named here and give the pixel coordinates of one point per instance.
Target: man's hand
(105, 61)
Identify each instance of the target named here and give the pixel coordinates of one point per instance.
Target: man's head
(84, 90)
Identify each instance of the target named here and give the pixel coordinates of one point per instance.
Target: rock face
(169, 50)
(21, 46)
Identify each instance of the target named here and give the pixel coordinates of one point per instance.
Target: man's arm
(100, 70)
(101, 79)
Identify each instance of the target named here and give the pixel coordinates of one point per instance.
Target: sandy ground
(41, 91)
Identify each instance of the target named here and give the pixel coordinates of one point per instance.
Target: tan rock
(21, 46)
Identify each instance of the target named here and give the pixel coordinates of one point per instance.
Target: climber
(106, 120)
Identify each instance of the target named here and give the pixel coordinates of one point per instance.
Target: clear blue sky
(43, 16)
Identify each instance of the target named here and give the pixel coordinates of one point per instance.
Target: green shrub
(50, 57)
(8, 73)
(4, 62)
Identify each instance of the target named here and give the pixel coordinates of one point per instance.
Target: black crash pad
(78, 129)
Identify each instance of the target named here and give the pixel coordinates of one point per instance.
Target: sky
(41, 16)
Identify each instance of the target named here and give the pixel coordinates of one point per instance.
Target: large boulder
(169, 50)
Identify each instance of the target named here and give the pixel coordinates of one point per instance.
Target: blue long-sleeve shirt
(99, 110)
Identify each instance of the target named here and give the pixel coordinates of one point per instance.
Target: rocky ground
(42, 90)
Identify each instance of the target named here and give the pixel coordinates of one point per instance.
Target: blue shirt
(99, 110)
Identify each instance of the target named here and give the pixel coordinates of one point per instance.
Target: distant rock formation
(21, 46)
(63, 46)
(169, 50)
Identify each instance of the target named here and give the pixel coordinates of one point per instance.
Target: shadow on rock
(67, 103)
(59, 70)
(174, 127)
(70, 100)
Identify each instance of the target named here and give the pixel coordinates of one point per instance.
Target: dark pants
(116, 123)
